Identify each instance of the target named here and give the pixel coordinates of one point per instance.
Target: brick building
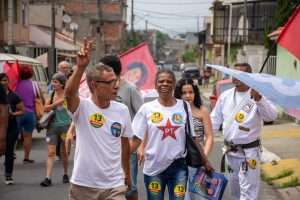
(113, 18)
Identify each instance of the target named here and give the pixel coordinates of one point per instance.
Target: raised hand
(83, 56)
(255, 95)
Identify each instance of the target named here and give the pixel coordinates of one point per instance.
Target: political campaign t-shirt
(165, 128)
(97, 161)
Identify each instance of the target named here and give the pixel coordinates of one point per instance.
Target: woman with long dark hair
(188, 91)
(16, 108)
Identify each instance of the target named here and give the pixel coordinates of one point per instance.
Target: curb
(290, 193)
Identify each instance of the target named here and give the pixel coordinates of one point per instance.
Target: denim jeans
(133, 174)
(174, 177)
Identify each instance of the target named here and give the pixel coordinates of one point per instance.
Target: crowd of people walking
(114, 130)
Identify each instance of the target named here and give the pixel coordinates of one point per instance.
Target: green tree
(190, 55)
(283, 11)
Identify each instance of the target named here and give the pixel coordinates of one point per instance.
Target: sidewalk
(283, 140)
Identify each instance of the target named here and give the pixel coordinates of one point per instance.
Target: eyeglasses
(111, 82)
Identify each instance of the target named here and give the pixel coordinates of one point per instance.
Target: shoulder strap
(187, 122)
(52, 97)
(36, 89)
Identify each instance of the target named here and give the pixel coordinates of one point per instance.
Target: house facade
(14, 30)
(113, 21)
(242, 33)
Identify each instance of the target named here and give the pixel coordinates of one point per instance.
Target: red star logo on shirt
(169, 130)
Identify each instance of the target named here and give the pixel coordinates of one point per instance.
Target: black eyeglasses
(111, 82)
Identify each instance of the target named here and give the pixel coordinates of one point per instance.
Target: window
(41, 73)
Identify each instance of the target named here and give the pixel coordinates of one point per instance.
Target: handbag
(38, 102)
(46, 119)
(193, 156)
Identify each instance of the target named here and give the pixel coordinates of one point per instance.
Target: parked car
(192, 71)
(40, 75)
(176, 67)
(218, 89)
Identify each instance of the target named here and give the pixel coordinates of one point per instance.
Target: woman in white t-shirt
(164, 122)
(188, 91)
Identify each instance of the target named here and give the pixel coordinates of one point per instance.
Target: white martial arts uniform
(242, 118)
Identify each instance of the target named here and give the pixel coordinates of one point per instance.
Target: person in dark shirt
(16, 108)
(3, 119)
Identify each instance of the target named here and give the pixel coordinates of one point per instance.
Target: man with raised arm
(100, 129)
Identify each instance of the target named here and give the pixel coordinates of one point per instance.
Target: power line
(166, 17)
(167, 14)
(172, 4)
(158, 26)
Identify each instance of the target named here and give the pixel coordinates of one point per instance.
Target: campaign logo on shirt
(177, 118)
(240, 117)
(156, 117)
(248, 107)
(168, 130)
(97, 120)
(116, 129)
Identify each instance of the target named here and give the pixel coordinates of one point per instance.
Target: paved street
(27, 178)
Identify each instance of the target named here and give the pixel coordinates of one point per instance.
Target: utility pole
(198, 21)
(229, 34)
(245, 23)
(132, 19)
(10, 27)
(146, 26)
(98, 34)
(52, 52)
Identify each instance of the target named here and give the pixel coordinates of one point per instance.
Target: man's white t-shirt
(97, 161)
(165, 128)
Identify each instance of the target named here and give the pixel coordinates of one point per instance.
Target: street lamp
(74, 28)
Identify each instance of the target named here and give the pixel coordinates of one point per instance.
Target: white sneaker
(9, 180)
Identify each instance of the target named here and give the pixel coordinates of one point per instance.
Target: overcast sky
(171, 16)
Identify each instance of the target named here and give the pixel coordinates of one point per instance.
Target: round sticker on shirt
(252, 163)
(179, 190)
(177, 118)
(97, 120)
(157, 117)
(115, 129)
(239, 117)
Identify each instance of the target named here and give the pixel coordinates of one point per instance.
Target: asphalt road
(28, 176)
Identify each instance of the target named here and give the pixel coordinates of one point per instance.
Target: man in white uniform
(241, 111)
(98, 173)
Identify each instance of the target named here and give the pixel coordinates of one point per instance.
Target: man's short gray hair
(64, 63)
(93, 73)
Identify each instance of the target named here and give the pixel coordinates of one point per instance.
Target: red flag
(288, 36)
(12, 71)
(138, 67)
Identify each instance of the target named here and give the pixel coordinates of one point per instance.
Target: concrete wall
(252, 54)
(288, 66)
(41, 15)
